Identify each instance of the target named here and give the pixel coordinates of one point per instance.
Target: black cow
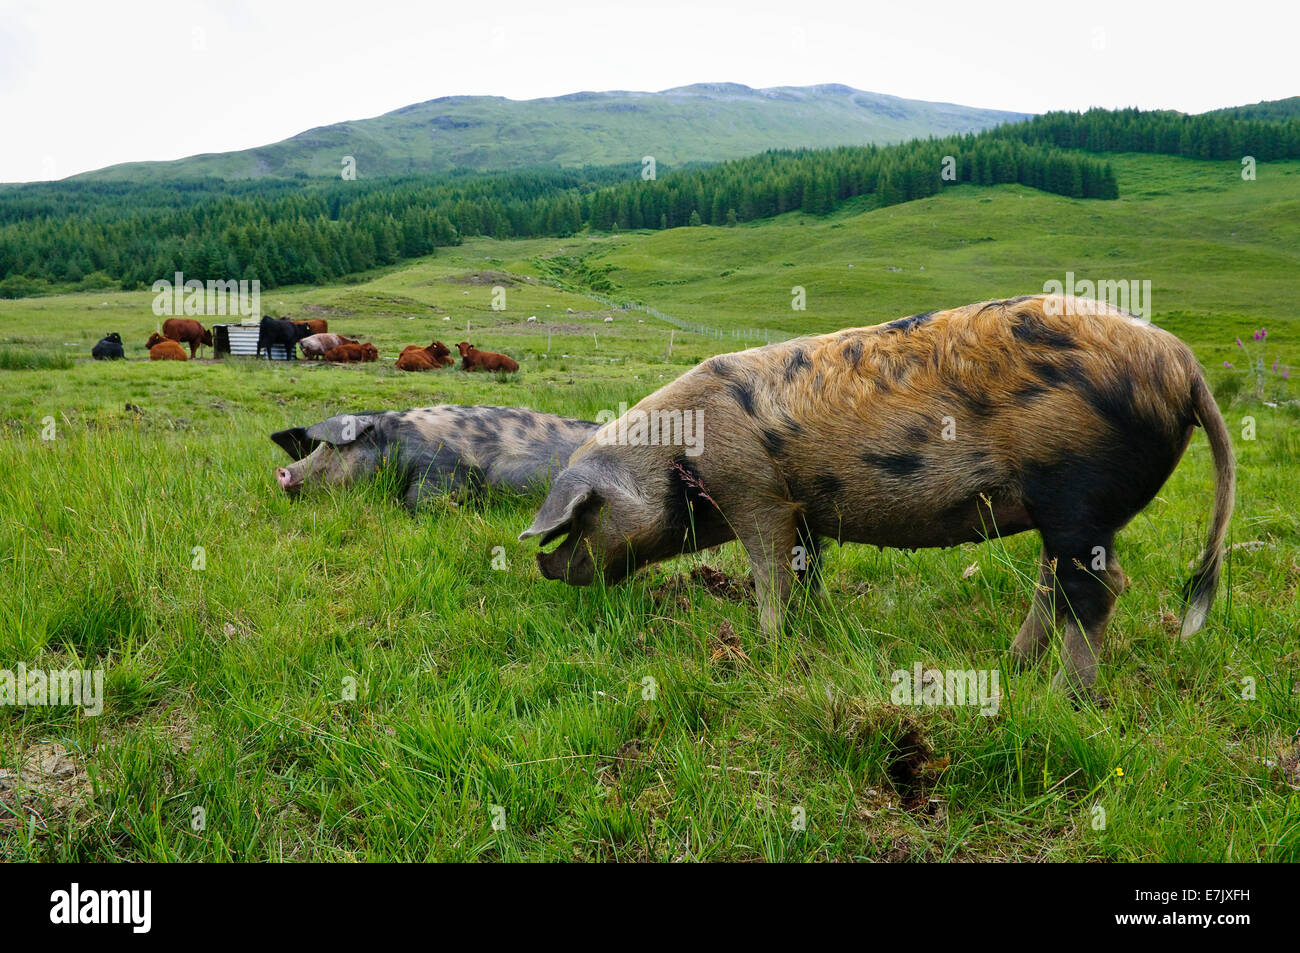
(280, 331)
(109, 348)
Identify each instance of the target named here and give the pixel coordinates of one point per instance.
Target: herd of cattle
(1059, 415)
(312, 337)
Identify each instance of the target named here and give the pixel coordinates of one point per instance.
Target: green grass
(22, 359)
(476, 687)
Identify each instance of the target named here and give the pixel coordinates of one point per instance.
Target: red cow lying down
(472, 359)
(352, 353)
(432, 358)
(166, 350)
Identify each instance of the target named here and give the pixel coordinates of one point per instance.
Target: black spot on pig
(907, 324)
(826, 487)
(796, 362)
(895, 464)
(972, 398)
(1058, 373)
(853, 353)
(721, 366)
(773, 442)
(1030, 329)
(744, 395)
(1028, 392)
(1005, 303)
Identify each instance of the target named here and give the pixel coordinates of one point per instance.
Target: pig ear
(340, 430)
(562, 504)
(295, 442)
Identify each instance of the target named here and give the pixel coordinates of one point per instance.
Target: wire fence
(757, 335)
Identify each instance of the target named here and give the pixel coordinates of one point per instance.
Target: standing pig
(1054, 414)
(435, 449)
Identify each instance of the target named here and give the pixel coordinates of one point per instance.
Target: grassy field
(335, 679)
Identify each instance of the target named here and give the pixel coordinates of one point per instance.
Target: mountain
(704, 122)
(1271, 110)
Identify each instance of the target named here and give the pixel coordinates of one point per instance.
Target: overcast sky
(88, 83)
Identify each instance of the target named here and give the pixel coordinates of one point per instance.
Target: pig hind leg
(1087, 581)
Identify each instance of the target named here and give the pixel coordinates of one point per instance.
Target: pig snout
(288, 482)
(569, 562)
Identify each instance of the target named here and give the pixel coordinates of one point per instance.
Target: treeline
(278, 231)
(815, 180)
(92, 235)
(1207, 136)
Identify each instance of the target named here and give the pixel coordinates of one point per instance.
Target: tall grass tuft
(21, 359)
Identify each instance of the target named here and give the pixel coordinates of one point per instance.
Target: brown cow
(473, 359)
(432, 358)
(317, 325)
(167, 350)
(153, 339)
(352, 353)
(188, 331)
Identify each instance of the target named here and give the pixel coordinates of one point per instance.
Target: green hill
(1270, 110)
(704, 122)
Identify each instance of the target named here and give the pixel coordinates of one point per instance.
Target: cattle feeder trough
(240, 340)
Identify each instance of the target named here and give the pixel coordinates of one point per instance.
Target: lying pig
(1042, 413)
(436, 449)
(315, 345)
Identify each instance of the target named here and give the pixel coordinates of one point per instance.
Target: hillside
(1271, 110)
(704, 122)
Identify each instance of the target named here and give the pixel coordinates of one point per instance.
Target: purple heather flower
(1239, 344)
(1227, 364)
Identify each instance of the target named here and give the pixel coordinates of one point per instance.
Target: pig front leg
(769, 540)
(1036, 631)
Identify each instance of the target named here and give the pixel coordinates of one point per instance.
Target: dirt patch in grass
(677, 589)
(49, 785)
(325, 311)
(722, 585)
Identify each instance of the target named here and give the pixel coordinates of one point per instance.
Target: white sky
(88, 83)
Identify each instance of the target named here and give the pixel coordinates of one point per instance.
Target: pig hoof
(1089, 697)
